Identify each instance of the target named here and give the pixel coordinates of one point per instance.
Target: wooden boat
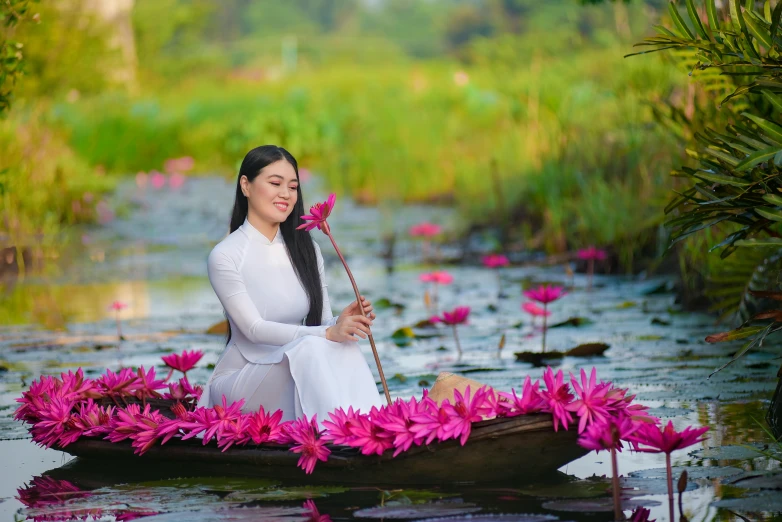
(498, 449)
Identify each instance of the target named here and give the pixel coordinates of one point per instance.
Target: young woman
(285, 350)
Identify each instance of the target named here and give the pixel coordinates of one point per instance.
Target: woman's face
(273, 193)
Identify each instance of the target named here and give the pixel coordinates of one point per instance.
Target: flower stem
(119, 329)
(327, 230)
(591, 271)
(456, 338)
(618, 515)
(669, 472)
(544, 326)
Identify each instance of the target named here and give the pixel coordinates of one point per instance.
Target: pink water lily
(319, 212)
(557, 396)
(117, 384)
(235, 433)
(425, 229)
(370, 436)
(118, 305)
(534, 310)
(590, 406)
(653, 439)
(313, 513)
(464, 411)
(224, 416)
(265, 427)
(147, 385)
(157, 179)
(398, 422)
(641, 514)
(591, 255)
(530, 401)
(92, 420)
(433, 422)
(440, 278)
(200, 420)
(54, 425)
(545, 294)
(339, 430)
(183, 362)
(306, 437)
(459, 315)
(495, 261)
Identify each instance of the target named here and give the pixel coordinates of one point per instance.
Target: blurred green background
(524, 114)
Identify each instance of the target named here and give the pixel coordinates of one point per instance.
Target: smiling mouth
(281, 206)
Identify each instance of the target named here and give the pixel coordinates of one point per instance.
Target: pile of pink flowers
(62, 410)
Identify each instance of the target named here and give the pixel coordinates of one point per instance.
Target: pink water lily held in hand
(495, 261)
(440, 278)
(319, 212)
(183, 362)
(425, 229)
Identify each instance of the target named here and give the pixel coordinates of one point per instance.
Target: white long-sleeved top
(266, 305)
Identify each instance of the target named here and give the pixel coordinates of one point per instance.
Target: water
(153, 257)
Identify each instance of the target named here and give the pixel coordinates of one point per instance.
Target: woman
(269, 278)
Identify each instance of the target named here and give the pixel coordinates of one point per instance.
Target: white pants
(316, 376)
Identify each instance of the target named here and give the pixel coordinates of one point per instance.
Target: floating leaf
(384, 303)
(588, 350)
(660, 322)
(602, 505)
(398, 510)
(650, 337)
(693, 472)
(761, 481)
(573, 321)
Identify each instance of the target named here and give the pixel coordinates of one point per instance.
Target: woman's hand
(349, 328)
(353, 309)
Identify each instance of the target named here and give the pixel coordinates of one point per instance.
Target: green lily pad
(396, 510)
(574, 489)
(288, 493)
(573, 321)
(650, 337)
(601, 505)
(693, 472)
(207, 483)
(384, 303)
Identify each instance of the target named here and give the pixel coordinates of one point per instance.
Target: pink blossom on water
(54, 425)
(534, 310)
(457, 316)
(305, 435)
(545, 293)
(118, 305)
(557, 396)
(592, 253)
(653, 439)
(157, 179)
(141, 180)
(495, 261)
(439, 277)
(590, 404)
(319, 212)
(183, 362)
(641, 514)
(91, 419)
(608, 433)
(425, 229)
(313, 513)
(176, 180)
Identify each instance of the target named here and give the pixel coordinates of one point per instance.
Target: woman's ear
(244, 183)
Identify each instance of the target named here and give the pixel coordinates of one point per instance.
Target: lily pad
(248, 514)
(645, 486)
(763, 481)
(729, 452)
(650, 337)
(601, 505)
(405, 510)
(693, 472)
(660, 322)
(404, 336)
(207, 484)
(588, 350)
(589, 488)
(537, 358)
(288, 493)
(752, 503)
(573, 321)
(384, 303)
(493, 518)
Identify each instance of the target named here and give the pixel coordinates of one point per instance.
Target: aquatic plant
(535, 311)
(608, 434)
(183, 362)
(653, 439)
(591, 402)
(530, 400)
(437, 278)
(545, 294)
(427, 231)
(118, 306)
(557, 397)
(495, 262)
(319, 213)
(157, 179)
(590, 255)
(455, 317)
(306, 438)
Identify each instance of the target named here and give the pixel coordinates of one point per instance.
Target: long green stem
(327, 230)
(456, 338)
(591, 271)
(545, 305)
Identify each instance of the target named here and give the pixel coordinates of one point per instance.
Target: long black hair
(299, 244)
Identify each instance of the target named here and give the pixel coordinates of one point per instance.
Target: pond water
(152, 256)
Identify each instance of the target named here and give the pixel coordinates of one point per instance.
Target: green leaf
(773, 130)
(770, 213)
(767, 10)
(711, 11)
(737, 17)
(727, 158)
(734, 335)
(774, 99)
(757, 157)
(774, 199)
(765, 242)
(760, 33)
(696, 21)
(723, 179)
(679, 22)
(776, 16)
